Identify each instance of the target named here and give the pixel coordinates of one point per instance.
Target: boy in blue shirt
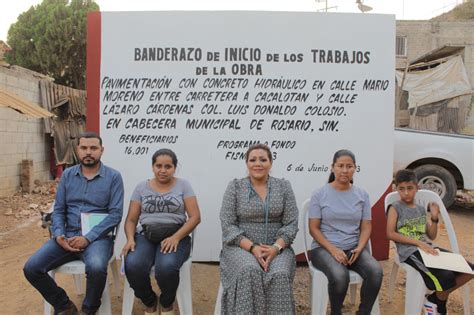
(411, 228)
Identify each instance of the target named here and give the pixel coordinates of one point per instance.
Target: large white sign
(209, 84)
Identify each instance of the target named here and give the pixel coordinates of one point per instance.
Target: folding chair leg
(415, 290)
(128, 298)
(78, 283)
(466, 300)
(393, 281)
(319, 294)
(376, 307)
(47, 308)
(217, 308)
(184, 293)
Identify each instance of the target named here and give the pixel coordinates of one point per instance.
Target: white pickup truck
(443, 162)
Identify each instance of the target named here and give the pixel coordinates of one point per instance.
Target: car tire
(438, 179)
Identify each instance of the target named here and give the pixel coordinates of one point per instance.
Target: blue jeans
(338, 277)
(138, 265)
(96, 257)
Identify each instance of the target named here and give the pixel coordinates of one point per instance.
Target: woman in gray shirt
(161, 203)
(340, 223)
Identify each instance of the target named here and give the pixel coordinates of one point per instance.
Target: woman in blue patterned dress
(259, 219)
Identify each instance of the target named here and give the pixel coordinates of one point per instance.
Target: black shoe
(70, 309)
(440, 305)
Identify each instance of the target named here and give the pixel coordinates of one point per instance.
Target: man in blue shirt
(90, 187)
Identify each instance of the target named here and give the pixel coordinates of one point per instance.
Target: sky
(403, 9)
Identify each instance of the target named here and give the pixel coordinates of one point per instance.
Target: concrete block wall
(21, 137)
(425, 36)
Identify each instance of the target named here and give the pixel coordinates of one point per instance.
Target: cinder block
(43, 168)
(34, 127)
(39, 168)
(12, 170)
(12, 115)
(3, 171)
(3, 136)
(8, 137)
(3, 124)
(35, 155)
(24, 137)
(33, 137)
(14, 182)
(22, 126)
(41, 152)
(16, 137)
(10, 148)
(12, 126)
(17, 157)
(3, 159)
(5, 112)
(18, 150)
(32, 150)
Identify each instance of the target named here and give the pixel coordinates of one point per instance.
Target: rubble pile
(22, 206)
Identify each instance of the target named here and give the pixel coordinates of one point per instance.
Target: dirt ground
(21, 234)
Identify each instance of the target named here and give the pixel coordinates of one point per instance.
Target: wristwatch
(278, 247)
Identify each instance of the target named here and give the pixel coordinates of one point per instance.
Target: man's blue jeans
(96, 257)
(338, 277)
(138, 265)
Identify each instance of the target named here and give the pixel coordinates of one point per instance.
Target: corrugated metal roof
(438, 53)
(8, 99)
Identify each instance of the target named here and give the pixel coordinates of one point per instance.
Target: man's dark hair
(88, 135)
(407, 176)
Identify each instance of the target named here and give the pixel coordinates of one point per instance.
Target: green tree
(50, 38)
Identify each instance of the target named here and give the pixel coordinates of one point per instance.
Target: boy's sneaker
(434, 306)
(429, 308)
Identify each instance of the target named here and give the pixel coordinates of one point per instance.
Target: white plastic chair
(415, 286)
(183, 295)
(77, 268)
(217, 307)
(319, 281)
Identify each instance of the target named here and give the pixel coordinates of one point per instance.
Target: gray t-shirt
(340, 213)
(165, 207)
(411, 222)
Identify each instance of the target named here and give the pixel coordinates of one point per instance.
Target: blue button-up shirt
(77, 194)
